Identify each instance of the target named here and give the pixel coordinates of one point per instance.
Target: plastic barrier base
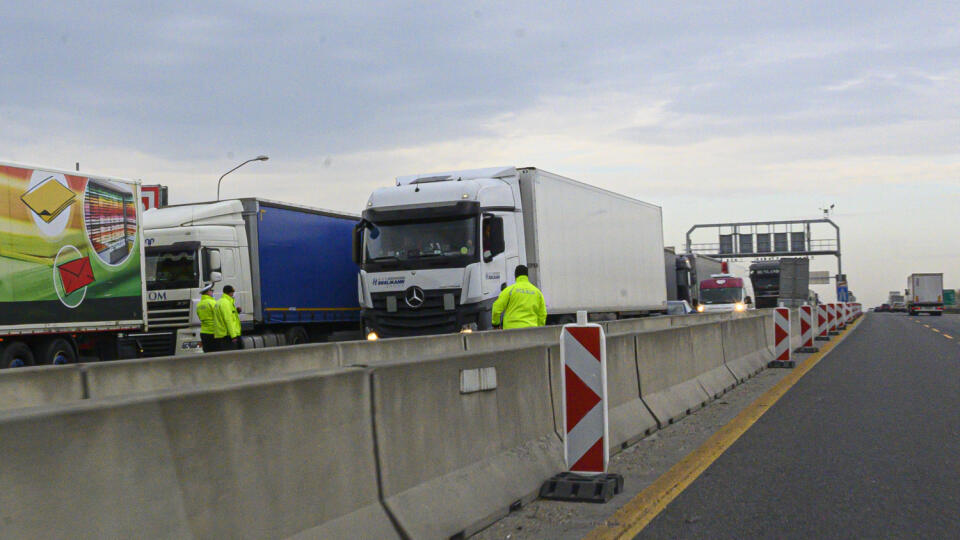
(782, 364)
(568, 486)
(821, 338)
(806, 349)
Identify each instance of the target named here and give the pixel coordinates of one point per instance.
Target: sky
(716, 111)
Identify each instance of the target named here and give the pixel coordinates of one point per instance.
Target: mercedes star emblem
(414, 297)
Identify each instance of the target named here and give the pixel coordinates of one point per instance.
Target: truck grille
(429, 317)
(168, 314)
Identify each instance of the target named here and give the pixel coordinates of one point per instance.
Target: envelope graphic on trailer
(48, 199)
(76, 275)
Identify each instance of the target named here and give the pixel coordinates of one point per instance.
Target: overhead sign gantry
(766, 239)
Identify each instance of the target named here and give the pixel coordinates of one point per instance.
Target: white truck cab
(187, 246)
(437, 250)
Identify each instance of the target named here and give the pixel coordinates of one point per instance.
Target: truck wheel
(296, 336)
(16, 354)
(56, 352)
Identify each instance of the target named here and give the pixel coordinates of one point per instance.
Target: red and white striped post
(823, 327)
(832, 316)
(584, 379)
(782, 356)
(806, 330)
(841, 318)
(583, 354)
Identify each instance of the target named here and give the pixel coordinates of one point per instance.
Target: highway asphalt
(865, 445)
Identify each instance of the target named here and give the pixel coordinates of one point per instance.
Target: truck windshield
(172, 270)
(727, 295)
(448, 242)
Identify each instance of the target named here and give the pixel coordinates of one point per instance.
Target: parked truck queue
(87, 274)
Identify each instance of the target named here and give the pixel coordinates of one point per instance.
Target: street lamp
(258, 158)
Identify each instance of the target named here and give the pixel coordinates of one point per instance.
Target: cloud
(710, 109)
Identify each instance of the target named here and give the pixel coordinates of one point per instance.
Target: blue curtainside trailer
(303, 271)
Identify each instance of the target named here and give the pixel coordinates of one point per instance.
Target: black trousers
(209, 342)
(227, 344)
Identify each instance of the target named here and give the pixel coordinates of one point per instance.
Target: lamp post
(258, 158)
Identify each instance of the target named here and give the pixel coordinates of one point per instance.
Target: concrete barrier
(30, 387)
(452, 462)
(706, 342)
(748, 344)
(291, 456)
(668, 374)
(368, 353)
(127, 377)
(499, 340)
(629, 418)
(645, 324)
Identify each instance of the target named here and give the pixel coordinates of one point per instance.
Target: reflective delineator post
(583, 378)
(832, 314)
(806, 330)
(823, 327)
(782, 356)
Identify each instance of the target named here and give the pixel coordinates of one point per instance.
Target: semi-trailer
(436, 249)
(290, 266)
(925, 294)
(71, 280)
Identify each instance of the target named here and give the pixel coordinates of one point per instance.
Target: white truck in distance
(730, 290)
(925, 294)
(436, 249)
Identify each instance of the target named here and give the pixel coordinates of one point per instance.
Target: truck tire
(16, 354)
(55, 352)
(296, 336)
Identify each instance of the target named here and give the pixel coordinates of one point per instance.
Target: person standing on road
(227, 321)
(520, 305)
(206, 313)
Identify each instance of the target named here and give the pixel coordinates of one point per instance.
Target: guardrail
(406, 443)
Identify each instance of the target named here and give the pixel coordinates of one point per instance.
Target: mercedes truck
(436, 250)
(71, 280)
(290, 267)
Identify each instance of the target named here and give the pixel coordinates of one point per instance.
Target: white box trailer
(437, 249)
(589, 248)
(925, 294)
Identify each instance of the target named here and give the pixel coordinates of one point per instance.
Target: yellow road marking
(926, 326)
(630, 519)
(935, 330)
(948, 336)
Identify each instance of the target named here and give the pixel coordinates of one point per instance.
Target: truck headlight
(372, 336)
(740, 306)
(700, 308)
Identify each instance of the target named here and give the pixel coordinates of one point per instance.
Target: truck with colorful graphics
(71, 278)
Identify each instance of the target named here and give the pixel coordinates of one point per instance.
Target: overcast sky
(716, 113)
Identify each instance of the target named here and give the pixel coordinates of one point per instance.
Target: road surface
(865, 445)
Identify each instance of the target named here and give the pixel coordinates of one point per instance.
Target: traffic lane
(865, 445)
(947, 324)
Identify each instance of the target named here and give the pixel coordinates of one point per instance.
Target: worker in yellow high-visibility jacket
(520, 305)
(227, 321)
(206, 313)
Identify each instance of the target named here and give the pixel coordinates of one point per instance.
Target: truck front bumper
(406, 322)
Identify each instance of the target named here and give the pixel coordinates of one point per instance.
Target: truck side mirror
(213, 260)
(493, 241)
(216, 277)
(748, 300)
(358, 242)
